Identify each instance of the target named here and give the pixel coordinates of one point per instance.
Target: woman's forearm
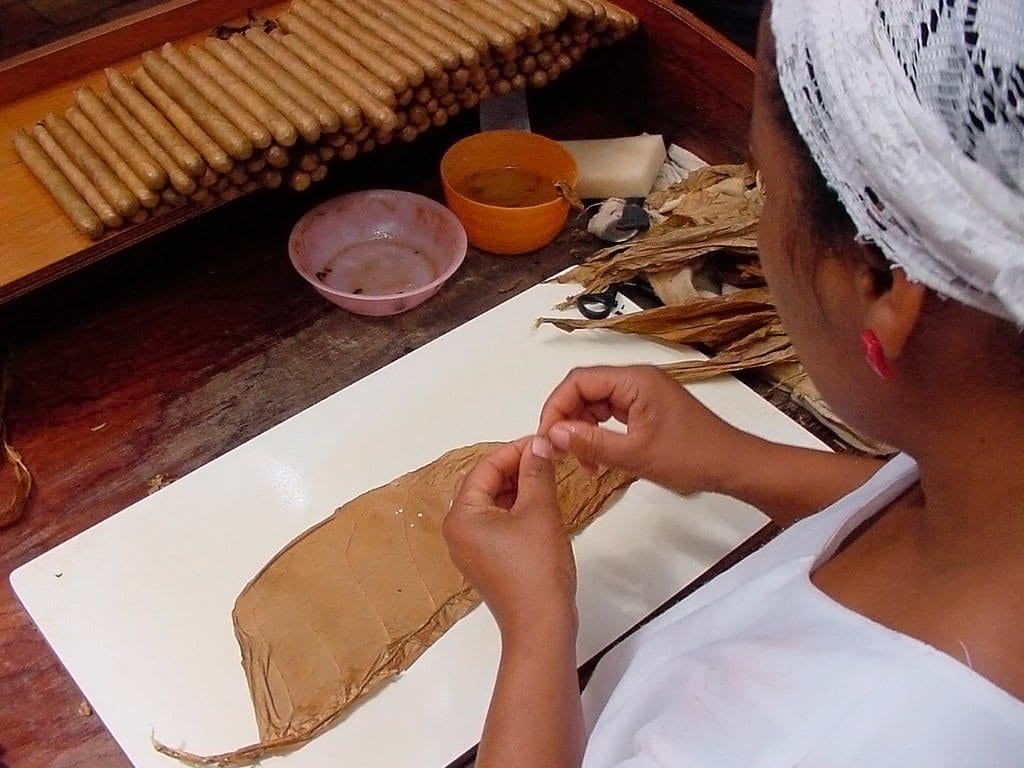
(788, 483)
(535, 718)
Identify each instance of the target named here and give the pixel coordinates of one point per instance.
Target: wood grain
(142, 368)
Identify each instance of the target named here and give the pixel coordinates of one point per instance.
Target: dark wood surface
(137, 370)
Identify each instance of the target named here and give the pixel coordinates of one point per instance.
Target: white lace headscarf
(914, 112)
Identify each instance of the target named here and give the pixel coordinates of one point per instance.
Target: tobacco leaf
(356, 599)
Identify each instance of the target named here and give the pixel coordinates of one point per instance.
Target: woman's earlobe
(894, 314)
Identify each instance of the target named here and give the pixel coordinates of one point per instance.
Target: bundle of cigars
(275, 101)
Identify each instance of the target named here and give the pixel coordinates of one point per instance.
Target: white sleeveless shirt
(760, 669)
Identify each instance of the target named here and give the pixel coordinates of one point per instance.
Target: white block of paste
(624, 167)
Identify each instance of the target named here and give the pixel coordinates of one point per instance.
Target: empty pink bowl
(378, 252)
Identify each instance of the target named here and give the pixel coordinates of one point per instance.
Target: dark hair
(828, 222)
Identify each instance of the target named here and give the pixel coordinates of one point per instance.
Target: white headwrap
(914, 112)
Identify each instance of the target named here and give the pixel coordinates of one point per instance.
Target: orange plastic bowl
(501, 185)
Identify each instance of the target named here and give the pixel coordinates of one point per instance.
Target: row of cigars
(274, 102)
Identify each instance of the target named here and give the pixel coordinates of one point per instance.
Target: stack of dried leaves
(701, 259)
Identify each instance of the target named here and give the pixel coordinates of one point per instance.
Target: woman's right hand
(670, 439)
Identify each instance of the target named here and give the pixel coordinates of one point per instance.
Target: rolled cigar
(559, 7)
(534, 46)
(477, 78)
(565, 39)
(79, 180)
(181, 181)
(617, 17)
(402, 119)
(509, 17)
(553, 72)
(214, 154)
(238, 176)
(470, 100)
(377, 112)
(56, 183)
(348, 151)
(113, 130)
(304, 121)
(423, 94)
(528, 65)
(426, 25)
(581, 8)
(329, 121)
(202, 196)
(270, 178)
(450, 58)
(412, 73)
(491, 74)
(431, 65)
(539, 79)
(502, 87)
(256, 164)
(326, 153)
(439, 118)
(475, 23)
(509, 69)
(251, 186)
(277, 156)
(139, 216)
(206, 115)
(175, 199)
(441, 85)
(209, 179)
(334, 32)
(576, 53)
(547, 18)
(384, 138)
(454, 109)
(337, 139)
(460, 78)
(519, 82)
(409, 133)
(368, 144)
(299, 180)
(448, 99)
(418, 115)
(280, 128)
(91, 135)
(460, 28)
(318, 174)
(347, 110)
(158, 126)
(230, 193)
(564, 61)
(405, 97)
(300, 29)
(308, 161)
(258, 134)
(545, 59)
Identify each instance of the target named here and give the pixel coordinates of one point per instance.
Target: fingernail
(559, 436)
(541, 446)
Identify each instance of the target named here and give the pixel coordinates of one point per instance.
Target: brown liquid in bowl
(508, 188)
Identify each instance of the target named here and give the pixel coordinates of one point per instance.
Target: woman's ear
(894, 313)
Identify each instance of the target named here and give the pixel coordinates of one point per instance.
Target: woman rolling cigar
(883, 626)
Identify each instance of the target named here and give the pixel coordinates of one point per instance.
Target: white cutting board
(138, 608)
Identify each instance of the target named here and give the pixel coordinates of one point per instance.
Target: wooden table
(137, 370)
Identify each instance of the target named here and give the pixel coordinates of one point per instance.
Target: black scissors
(599, 305)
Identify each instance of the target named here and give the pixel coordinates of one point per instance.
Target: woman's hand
(505, 533)
(670, 439)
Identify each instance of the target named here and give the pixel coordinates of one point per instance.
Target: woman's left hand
(505, 533)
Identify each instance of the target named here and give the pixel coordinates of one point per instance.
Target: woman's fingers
(591, 393)
(494, 479)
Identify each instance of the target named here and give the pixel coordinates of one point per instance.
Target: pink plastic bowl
(378, 252)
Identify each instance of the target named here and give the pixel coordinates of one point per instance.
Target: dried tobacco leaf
(359, 597)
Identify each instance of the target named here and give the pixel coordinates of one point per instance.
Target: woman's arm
(505, 533)
(675, 441)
